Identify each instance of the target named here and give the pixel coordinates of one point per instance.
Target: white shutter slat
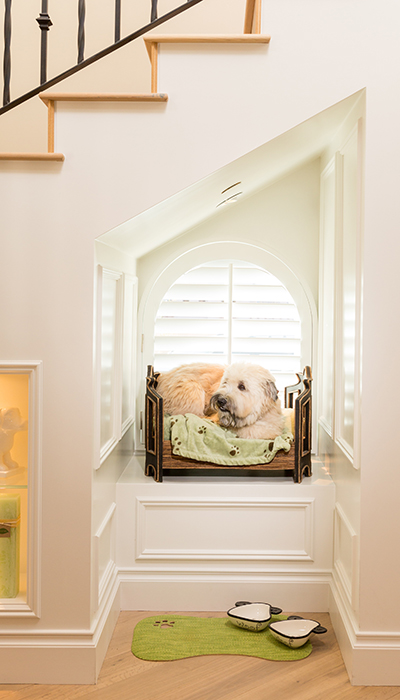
(181, 327)
(187, 309)
(195, 292)
(258, 293)
(186, 345)
(250, 328)
(265, 311)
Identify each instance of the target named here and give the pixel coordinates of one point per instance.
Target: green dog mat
(170, 637)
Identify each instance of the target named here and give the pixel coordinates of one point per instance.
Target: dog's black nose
(221, 402)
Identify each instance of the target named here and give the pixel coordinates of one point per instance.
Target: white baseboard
(145, 590)
(107, 620)
(371, 658)
(61, 656)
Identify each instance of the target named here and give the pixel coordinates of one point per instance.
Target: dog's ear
(271, 390)
(211, 408)
(212, 405)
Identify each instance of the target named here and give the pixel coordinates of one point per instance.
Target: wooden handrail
(49, 157)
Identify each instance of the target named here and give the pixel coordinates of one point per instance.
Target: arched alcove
(166, 275)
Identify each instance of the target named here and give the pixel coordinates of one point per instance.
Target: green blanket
(201, 439)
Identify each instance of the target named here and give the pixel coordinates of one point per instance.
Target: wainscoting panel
(224, 529)
(105, 552)
(345, 556)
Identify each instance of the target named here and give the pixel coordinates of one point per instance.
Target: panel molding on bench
(197, 529)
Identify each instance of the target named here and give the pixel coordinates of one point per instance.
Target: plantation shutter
(228, 311)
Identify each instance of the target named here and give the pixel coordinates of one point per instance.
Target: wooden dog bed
(296, 463)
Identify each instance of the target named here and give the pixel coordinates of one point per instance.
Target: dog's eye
(241, 387)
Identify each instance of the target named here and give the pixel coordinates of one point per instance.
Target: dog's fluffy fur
(247, 402)
(189, 388)
(243, 397)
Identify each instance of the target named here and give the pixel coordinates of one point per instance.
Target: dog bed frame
(160, 459)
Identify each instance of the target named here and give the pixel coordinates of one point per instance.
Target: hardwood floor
(321, 676)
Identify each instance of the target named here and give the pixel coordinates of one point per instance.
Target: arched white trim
(233, 250)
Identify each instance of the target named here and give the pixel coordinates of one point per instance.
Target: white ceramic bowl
(252, 616)
(295, 631)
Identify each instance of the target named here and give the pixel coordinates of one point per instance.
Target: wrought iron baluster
(81, 30)
(7, 52)
(117, 34)
(44, 23)
(153, 15)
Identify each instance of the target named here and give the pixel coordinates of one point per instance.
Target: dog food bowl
(252, 616)
(295, 631)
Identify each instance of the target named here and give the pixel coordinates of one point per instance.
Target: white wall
(120, 161)
(49, 317)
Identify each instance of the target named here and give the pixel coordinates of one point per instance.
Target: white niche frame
(31, 606)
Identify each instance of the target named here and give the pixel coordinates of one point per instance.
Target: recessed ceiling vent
(230, 187)
(233, 197)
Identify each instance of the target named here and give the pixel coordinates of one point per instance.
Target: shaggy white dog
(247, 402)
(242, 397)
(188, 388)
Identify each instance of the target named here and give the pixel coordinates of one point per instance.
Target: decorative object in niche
(9, 544)
(10, 423)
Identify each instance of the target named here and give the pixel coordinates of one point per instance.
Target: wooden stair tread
(102, 97)
(208, 38)
(205, 39)
(55, 157)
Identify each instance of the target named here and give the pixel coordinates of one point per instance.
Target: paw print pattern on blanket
(268, 451)
(176, 445)
(234, 451)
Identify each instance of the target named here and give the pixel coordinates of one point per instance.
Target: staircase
(251, 35)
